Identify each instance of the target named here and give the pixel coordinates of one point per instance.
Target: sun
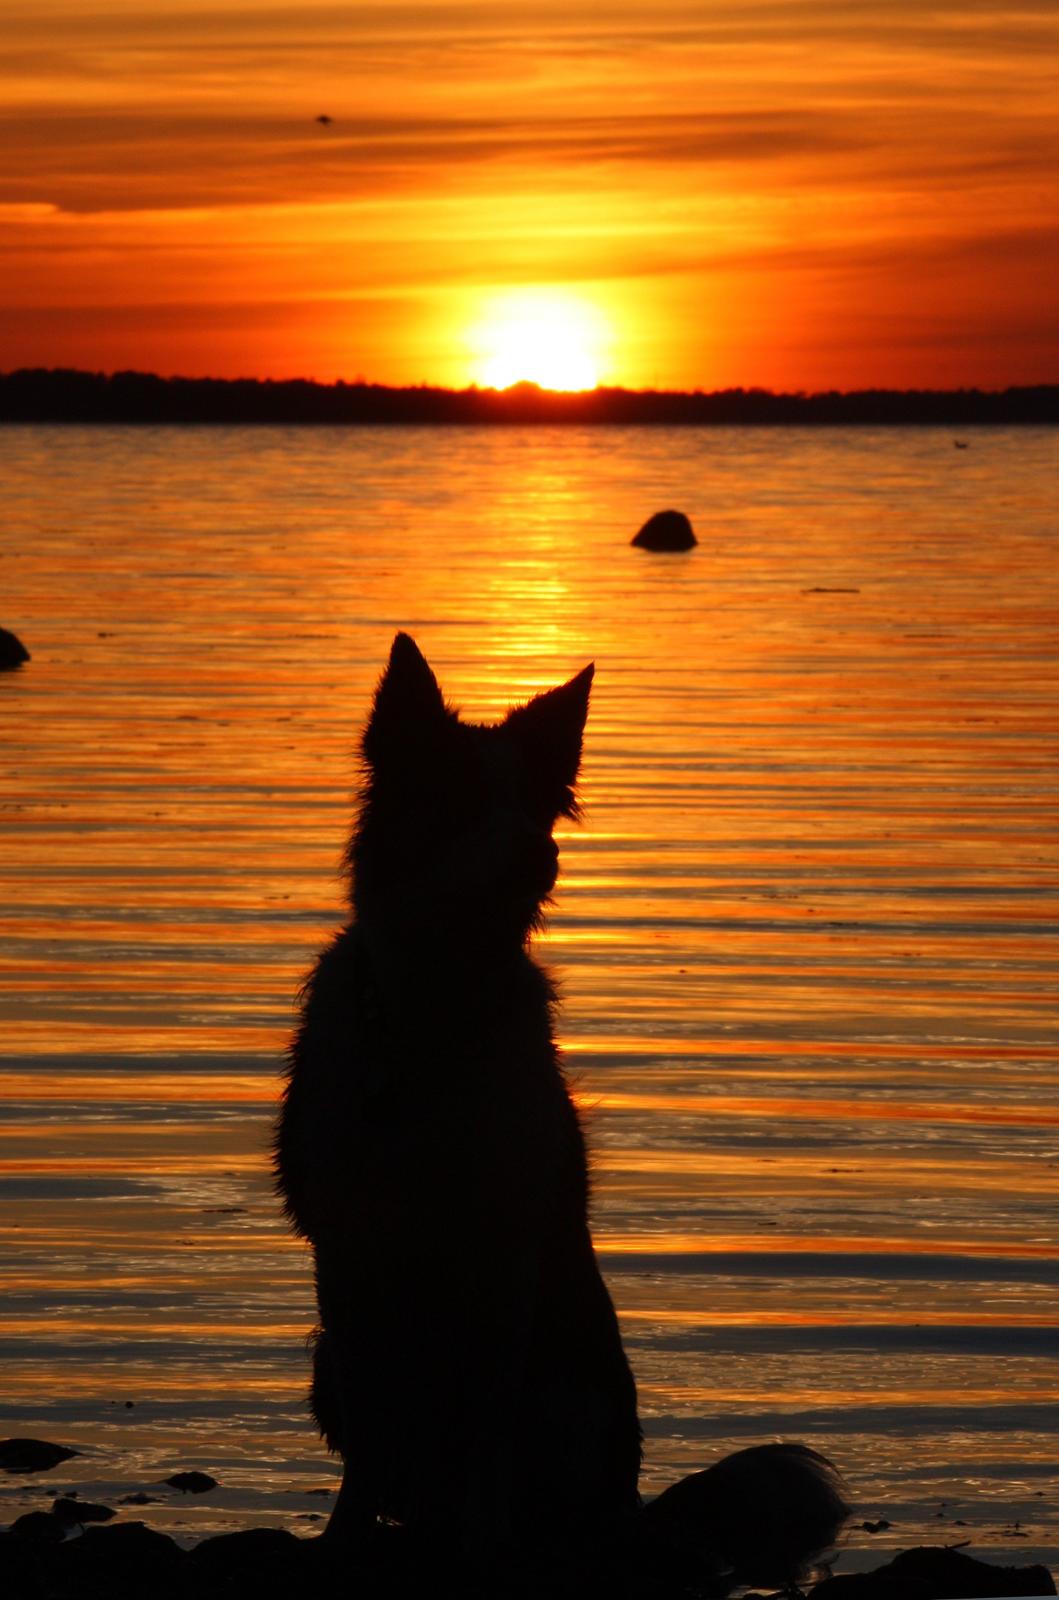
(544, 336)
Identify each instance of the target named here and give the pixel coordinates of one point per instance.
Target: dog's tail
(761, 1516)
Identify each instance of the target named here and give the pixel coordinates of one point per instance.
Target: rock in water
(72, 1511)
(192, 1482)
(32, 1455)
(666, 530)
(12, 651)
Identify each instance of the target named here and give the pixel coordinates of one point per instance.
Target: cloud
(15, 212)
(138, 161)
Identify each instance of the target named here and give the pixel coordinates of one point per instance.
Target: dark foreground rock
(666, 530)
(38, 1527)
(12, 651)
(129, 1561)
(32, 1455)
(936, 1573)
(125, 1561)
(253, 1550)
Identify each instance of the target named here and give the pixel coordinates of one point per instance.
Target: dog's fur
(468, 1365)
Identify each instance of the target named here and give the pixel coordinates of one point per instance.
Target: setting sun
(540, 336)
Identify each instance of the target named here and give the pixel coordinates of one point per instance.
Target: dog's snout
(534, 852)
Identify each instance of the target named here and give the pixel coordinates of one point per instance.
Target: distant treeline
(39, 395)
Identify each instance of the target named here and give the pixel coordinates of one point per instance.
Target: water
(806, 935)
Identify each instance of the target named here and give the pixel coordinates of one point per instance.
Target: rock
(192, 1482)
(72, 1511)
(250, 1554)
(141, 1499)
(127, 1550)
(954, 1573)
(666, 530)
(12, 651)
(38, 1527)
(880, 1585)
(935, 1573)
(32, 1455)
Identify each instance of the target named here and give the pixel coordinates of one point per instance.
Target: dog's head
(455, 826)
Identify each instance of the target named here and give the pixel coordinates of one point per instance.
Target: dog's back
(468, 1365)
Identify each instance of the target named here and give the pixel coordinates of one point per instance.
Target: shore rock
(38, 1527)
(12, 651)
(127, 1552)
(935, 1573)
(250, 1553)
(666, 530)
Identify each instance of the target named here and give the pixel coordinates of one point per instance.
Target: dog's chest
(457, 1101)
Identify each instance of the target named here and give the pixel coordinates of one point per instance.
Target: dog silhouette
(467, 1366)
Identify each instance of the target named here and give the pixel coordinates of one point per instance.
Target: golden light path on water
(806, 935)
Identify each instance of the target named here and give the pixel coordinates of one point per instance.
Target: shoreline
(40, 395)
(41, 1530)
(125, 1560)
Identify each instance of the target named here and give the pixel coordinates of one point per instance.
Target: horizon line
(524, 386)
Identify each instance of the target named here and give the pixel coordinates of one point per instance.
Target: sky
(797, 194)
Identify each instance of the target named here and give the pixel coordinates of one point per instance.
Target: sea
(806, 933)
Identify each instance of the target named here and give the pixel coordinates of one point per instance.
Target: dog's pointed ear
(550, 729)
(408, 702)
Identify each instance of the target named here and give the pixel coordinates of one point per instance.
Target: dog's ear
(549, 730)
(408, 703)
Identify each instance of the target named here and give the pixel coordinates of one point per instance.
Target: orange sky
(793, 193)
